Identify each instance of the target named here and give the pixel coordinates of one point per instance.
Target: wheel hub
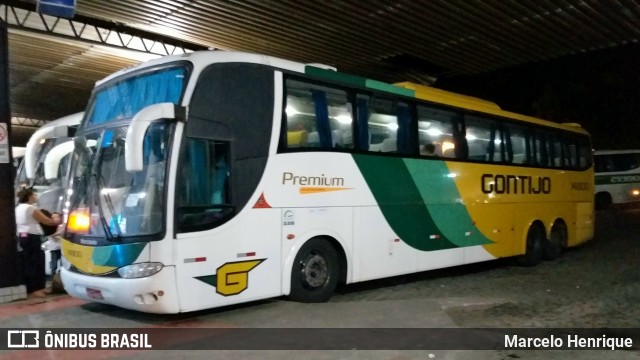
(315, 271)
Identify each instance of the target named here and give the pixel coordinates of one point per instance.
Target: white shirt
(25, 221)
(53, 242)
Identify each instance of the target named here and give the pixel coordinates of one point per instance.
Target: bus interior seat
(297, 138)
(313, 140)
(449, 153)
(387, 145)
(337, 138)
(519, 159)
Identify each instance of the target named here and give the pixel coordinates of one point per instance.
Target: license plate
(94, 294)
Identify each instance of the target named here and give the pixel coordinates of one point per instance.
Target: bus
(17, 153)
(46, 160)
(218, 178)
(617, 175)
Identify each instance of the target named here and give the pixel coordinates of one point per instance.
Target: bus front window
(107, 201)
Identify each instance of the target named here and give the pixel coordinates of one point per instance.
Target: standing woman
(28, 220)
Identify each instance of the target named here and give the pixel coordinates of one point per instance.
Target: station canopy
(54, 62)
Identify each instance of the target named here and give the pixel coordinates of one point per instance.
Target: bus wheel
(535, 246)
(315, 272)
(603, 200)
(556, 242)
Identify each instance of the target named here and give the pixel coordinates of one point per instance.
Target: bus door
(222, 257)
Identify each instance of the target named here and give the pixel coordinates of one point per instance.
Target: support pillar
(11, 287)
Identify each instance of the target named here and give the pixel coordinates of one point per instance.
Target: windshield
(107, 201)
(123, 99)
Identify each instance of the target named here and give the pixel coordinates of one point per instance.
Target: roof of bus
(69, 120)
(207, 57)
(438, 96)
(404, 88)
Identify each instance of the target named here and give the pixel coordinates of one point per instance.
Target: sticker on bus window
(132, 200)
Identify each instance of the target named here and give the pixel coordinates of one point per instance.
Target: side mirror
(33, 146)
(133, 145)
(53, 158)
(59, 128)
(55, 155)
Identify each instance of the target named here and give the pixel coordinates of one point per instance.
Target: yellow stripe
(81, 257)
(313, 190)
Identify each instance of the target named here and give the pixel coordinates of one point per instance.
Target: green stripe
(404, 187)
(209, 279)
(356, 81)
(335, 76)
(378, 85)
(439, 191)
(117, 255)
(616, 179)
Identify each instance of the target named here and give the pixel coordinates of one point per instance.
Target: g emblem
(231, 278)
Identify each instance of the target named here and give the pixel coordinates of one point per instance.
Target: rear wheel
(315, 272)
(535, 246)
(557, 241)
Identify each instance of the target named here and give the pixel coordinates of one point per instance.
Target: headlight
(140, 270)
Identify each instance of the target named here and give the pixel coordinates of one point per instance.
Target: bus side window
(485, 139)
(557, 159)
(436, 130)
(317, 117)
(634, 161)
(584, 154)
(203, 194)
(518, 141)
(570, 154)
(388, 125)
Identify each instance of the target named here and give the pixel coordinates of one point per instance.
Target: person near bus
(53, 244)
(428, 150)
(28, 220)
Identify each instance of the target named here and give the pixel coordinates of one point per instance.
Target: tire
(314, 275)
(556, 242)
(603, 200)
(534, 252)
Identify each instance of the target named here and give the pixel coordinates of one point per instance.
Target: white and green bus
(617, 177)
(217, 178)
(45, 163)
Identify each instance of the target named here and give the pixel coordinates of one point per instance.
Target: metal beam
(22, 15)
(21, 121)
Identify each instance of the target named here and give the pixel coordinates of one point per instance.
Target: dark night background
(598, 89)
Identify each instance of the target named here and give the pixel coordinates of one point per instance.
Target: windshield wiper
(103, 221)
(107, 200)
(99, 183)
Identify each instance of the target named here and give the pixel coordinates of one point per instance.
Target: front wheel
(534, 252)
(315, 272)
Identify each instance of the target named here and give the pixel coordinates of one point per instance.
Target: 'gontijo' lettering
(515, 184)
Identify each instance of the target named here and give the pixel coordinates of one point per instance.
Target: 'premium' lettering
(291, 179)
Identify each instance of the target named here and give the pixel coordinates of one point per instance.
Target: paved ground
(594, 286)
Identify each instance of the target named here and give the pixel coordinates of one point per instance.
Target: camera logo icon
(23, 339)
